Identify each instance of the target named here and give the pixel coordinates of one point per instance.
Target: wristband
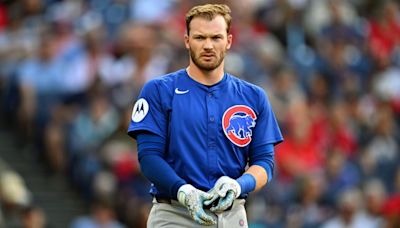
(247, 183)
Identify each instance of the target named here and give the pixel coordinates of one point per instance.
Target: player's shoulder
(245, 86)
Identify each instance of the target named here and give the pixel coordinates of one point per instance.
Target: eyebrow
(208, 35)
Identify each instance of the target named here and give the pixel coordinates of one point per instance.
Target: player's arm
(260, 176)
(261, 165)
(151, 159)
(151, 149)
(261, 155)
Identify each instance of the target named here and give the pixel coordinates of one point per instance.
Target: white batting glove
(227, 190)
(193, 199)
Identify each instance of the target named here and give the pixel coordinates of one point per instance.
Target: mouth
(207, 56)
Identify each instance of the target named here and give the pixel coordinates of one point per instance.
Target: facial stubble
(207, 66)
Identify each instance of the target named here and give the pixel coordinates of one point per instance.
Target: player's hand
(193, 200)
(227, 190)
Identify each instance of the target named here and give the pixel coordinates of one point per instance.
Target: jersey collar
(211, 88)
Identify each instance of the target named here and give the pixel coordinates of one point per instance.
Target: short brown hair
(209, 11)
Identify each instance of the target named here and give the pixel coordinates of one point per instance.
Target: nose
(208, 44)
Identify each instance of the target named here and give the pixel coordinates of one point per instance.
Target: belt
(163, 200)
(160, 199)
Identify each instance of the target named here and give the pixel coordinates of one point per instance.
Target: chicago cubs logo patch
(237, 122)
(140, 110)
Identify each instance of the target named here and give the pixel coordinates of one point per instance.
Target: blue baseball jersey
(210, 131)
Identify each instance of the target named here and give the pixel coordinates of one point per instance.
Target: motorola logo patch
(140, 110)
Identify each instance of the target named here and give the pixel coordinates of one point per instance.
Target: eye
(198, 38)
(216, 38)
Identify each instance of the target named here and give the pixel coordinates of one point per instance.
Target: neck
(205, 77)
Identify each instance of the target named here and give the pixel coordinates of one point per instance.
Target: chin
(209, 66)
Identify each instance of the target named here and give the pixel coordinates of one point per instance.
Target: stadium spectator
(102, 215)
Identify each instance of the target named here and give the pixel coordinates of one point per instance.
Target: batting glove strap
(193, 199)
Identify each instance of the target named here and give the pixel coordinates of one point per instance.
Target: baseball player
(205, 138)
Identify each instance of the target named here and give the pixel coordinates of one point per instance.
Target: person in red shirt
(300, 154)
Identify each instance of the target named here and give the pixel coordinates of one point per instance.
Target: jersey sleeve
(267, 130)
(148, 113)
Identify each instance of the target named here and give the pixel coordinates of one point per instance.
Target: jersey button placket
(211, 120)
(212, 134)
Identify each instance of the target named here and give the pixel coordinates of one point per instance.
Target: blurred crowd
(70, 71)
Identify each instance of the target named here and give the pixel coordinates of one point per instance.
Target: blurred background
(70, 71)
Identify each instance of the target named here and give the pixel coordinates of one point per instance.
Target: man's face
(208, 42)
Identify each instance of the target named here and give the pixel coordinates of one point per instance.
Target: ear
(228, 46)
(186, 38)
